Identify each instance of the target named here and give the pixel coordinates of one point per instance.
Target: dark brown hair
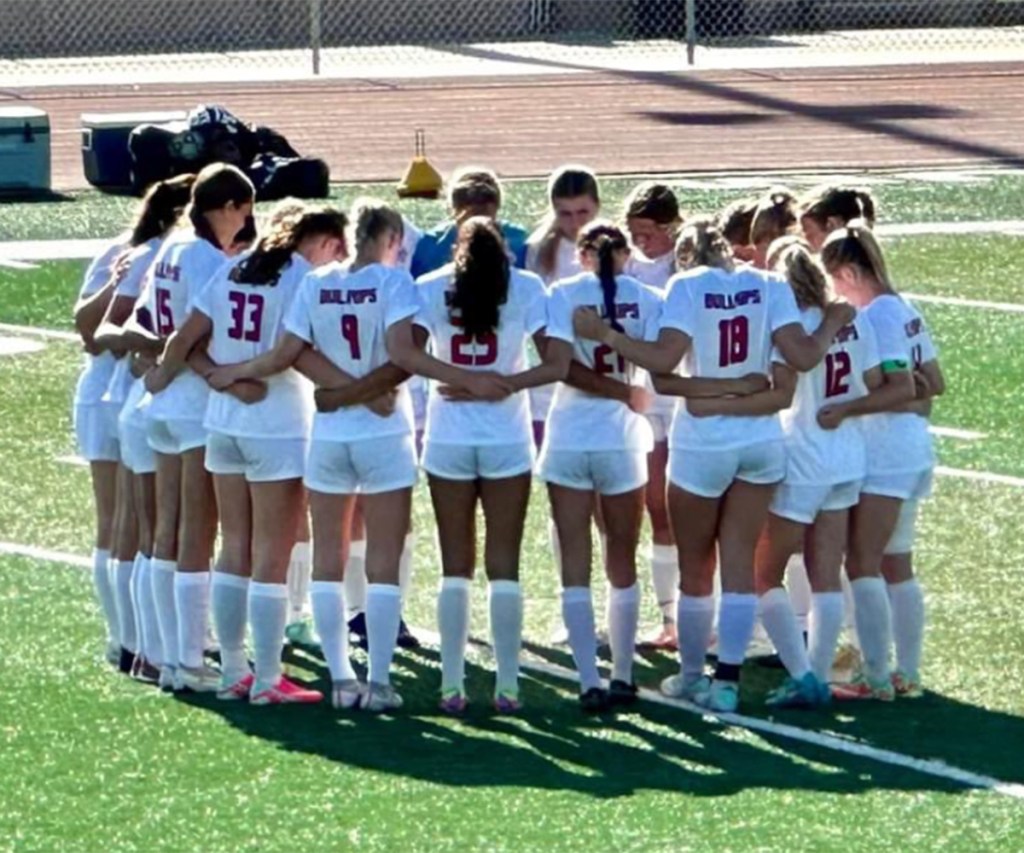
(653, 201)
(481, 276)
(263, 266)
(843, 203)
(474, 185)
(605, 240)
(735, 220)
(774, 217)
(161, 208)
(567, 182)
(215, 187)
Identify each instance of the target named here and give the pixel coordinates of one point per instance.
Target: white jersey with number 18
(730, 318)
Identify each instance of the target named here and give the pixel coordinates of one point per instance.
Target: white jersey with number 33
(503, 351)
(247, 321)
(730, 318)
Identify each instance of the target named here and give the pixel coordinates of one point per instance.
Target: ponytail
(263, 266)
(855, 246)
(605, 239)
(803, 272)
(774, 217)
(567, 182)
(160, 208)
(481, 277)
(702, 244)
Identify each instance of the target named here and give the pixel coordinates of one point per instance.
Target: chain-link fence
(401, 37)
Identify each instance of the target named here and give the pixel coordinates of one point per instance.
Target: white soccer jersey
(182, 267)
(247, 322)
(821, 457)
(140, 262)
(97, 369)
(567, 262)
(479, 423)
(899, 442)
(730, 318)
(580, 421)
(346, 315)
(654, 272)
(410, 239)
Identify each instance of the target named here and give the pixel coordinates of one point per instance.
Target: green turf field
(90, 760)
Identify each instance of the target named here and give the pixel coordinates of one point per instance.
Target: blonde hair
(804, 274)
(370, 218)
(778, 246)
(774, 217)
(702, 244)
(854, 245)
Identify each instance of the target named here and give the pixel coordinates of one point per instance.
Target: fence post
(691, 30)
(316, 32)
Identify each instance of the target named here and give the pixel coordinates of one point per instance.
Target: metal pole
(316, 32)
(691, 30)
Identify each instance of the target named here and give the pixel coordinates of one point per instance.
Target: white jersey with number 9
(730, 318)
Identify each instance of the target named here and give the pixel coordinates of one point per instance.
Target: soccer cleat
(594, 700)
(125, 660)
(453, 701)
(862, 688)
(347, 694)
(380, 698)
(236, 690)
(301, 633)
(205, 679)
(722, 697)
(144, 671)
(907, 686)
(664, 639)
(166, 679)
(406, 639)
(285, 692)
(806, 692)
(677, 687)
(507, 702)
(621, 693)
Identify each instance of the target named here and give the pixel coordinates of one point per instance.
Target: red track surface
(615, 122)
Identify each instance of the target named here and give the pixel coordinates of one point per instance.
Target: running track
(616, 122)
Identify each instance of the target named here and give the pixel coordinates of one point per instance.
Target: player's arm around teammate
(599, 444)
(220, 206)
(722, 469)
(899, 471)
(479, 315)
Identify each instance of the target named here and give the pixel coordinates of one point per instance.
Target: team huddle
(750, 381)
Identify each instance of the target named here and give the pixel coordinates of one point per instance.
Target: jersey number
(837, 371)
(733, 341)
(601, 365)
(246, 316)
(350, 332)
(472, 358)
(164, 317)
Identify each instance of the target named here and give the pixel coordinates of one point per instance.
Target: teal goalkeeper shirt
(434, 249)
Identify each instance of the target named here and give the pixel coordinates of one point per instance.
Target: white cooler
(105, 158)
(24, 149)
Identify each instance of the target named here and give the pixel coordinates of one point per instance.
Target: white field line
(918, 229)
(1009, 307)
(18, 346)
(953, 432)
(35, 331)
(980, 476)
(884, 756)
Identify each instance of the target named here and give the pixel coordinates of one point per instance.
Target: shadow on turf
(552, 745)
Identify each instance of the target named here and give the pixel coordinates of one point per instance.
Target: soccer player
(220, 208)
(723, 469)
(479, 313)
(774, 217)
(889, 601)
(825, 209)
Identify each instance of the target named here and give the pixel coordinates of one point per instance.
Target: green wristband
(895, 365)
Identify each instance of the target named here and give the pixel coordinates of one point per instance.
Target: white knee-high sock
(874, 626)
(578, 615)
(125, 609)
(149, 626)
(737, 614)
(300, 569)
(799, 588)
(105, 593)
(826, 625)
(138, 570)
(405, 565)
(383, 613)
(849, 606)
(355, 578)
(907, 602)
(780, 622)
(163, 572)
(330, 619)
(506, 608)
(665, 576)
(268, 615)
(230, 606)
(453, 626)
(192, 598)
(623, 615)
(695, 616)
